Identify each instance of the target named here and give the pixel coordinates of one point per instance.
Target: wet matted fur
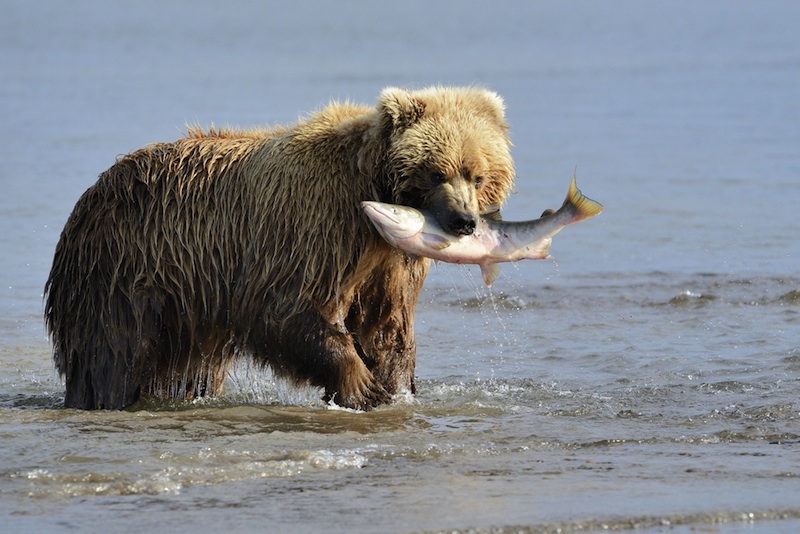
(225, 243)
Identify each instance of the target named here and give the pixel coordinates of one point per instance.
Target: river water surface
(647, 376)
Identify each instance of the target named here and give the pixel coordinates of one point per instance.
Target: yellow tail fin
(584, 206)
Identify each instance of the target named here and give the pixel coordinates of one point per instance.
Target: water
(646, 377)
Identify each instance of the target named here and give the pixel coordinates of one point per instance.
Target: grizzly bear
(227, 243)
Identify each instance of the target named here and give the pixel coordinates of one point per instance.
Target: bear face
(448, 153)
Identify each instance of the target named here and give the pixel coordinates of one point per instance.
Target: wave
(655, 288)
(702, 521)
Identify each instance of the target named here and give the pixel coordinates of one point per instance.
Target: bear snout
(461, 224)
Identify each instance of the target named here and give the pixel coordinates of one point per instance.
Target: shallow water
(645, 377)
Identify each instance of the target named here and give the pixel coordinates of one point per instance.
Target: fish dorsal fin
(489, 272)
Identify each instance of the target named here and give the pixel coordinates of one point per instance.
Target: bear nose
(462, 224)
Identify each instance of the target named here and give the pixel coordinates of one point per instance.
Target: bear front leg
(313, 350)
(381, 319)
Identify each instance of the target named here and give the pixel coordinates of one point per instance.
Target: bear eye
(478, 182)
(438, 177)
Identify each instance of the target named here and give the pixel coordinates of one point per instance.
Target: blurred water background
(646, 376)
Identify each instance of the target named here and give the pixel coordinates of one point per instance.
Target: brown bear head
(448, 152)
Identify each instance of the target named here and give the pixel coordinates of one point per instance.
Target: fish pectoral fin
(436, 242)
(489, 272)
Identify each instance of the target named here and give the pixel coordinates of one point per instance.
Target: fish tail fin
(583, 206)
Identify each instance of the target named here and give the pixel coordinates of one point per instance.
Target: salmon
(492, 242)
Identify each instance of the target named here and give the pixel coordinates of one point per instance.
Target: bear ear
(495, 99)
(399, 108)
(495, 107)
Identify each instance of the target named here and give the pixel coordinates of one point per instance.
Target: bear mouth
(457, 223)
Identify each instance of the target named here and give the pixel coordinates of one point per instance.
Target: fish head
(393, 221)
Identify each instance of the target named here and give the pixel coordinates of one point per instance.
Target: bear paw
(359, 393)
